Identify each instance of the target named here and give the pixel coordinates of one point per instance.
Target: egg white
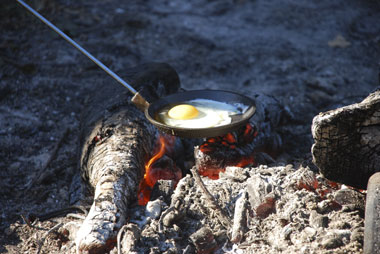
(211, 114)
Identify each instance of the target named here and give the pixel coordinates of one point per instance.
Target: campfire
(212, 157)
(157, 193)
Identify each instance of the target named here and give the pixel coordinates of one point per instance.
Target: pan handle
(137, 99)
(140, 102)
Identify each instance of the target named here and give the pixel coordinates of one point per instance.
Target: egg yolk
(183, 112)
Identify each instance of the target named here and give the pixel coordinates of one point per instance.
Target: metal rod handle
(76, 45)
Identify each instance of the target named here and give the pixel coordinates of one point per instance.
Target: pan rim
(200, 94)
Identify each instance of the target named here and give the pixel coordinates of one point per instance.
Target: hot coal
(241, 148)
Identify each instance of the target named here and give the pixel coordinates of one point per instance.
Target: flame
(154, 172)
(155, 157)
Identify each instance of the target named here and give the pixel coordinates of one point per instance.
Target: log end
(347, 142)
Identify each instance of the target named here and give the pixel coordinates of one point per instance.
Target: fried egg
(199, 113)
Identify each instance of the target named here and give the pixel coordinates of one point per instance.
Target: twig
(26, 220)
(75, 216)
(42, 173)
(52, 214)
(41, 242)
(221, 214)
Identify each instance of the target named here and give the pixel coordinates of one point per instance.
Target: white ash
(304, 220)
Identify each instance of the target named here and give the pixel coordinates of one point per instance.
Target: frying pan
(151, 110)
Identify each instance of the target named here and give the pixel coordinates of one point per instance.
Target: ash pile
(280, 209)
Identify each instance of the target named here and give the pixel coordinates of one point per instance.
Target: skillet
(151, 110)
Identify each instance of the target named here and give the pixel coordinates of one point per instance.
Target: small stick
(221, 214)
(42, 174)
(76, 216)
(240, 218)
(54, 213)
(41, 242)
(26, 220)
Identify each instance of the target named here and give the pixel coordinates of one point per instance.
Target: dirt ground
(311, 55)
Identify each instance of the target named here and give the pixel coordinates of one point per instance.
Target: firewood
(346, 148)
(115, 140)
(253, 144)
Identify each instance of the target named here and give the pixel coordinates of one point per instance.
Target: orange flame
(153, 173)
(155, 157)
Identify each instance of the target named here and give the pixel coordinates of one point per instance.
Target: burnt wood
(256, 143)
(347, 142)
(115, 141)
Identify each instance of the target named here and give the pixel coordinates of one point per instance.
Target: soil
(311, 55)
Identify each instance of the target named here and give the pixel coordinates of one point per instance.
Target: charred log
(115, 141)
(347, 142)
(256, 143)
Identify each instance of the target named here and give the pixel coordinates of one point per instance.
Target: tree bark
(347, 142)
(116, 139)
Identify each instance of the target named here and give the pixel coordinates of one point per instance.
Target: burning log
(256, 143)
(347, 144)
(116, 139)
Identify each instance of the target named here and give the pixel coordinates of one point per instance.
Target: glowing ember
(232, 149)
(245, 161)
(159, 167)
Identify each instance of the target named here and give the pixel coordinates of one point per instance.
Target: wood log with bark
(115, 140)
(347, 142)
